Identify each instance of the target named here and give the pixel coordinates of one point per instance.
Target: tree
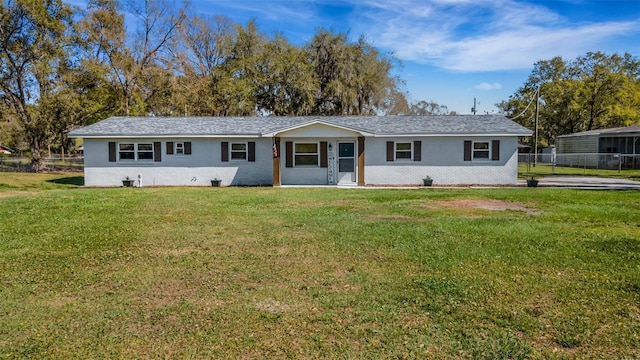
(327, 55)
(591, 92)
(285, 83)
(395, 103)
(203, 47)
(428, 108)
(240, 74)
(353, 79)
(372, 78)
(33, 40)
(134, 67)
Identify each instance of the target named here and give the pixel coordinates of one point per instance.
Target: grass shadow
(69, 180)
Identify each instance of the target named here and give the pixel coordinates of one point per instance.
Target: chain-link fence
(612, 161)
(53, 163)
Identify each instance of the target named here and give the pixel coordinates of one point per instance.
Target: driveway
(588, 182)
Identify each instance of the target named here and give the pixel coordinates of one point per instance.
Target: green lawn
(526, 171)
(316, 273)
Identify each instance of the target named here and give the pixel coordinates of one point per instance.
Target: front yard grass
(316, 273)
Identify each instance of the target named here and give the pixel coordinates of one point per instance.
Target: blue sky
(454, 50)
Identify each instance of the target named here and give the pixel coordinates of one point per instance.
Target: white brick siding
(443, 160)
(196, 169)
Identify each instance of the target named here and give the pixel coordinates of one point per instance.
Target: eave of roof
(316, 122)
(369, 126)
(633, 130)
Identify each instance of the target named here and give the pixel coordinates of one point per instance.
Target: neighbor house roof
(613, 132)
(271, 126)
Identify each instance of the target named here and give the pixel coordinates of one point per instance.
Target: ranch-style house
(308, 150)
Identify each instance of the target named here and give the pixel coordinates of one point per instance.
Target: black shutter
(224, 151)
(390, 151)
(323, 154)
(157, 151)
(417, 150)
(289, 154)
(251, 147)
(169, 147)
(112, 151)
(495, 150)
(467, 150)
(187, 148)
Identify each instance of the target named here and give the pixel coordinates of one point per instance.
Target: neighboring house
(615, 141)
(310, 150)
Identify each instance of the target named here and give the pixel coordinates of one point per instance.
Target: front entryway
(346, 163)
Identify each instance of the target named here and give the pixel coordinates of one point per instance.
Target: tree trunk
(37, 160)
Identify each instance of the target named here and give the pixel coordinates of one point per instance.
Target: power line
(529, 104)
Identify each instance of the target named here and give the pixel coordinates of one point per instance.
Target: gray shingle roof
(261, 126)
(633, 130)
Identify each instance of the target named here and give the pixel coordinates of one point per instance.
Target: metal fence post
(619, 163)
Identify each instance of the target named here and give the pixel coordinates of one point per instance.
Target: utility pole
(535, 142)
(474, 108)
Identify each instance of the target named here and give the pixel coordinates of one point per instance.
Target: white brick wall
(196, 169)
(442, 160)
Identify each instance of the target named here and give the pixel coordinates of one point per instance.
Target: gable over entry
(319, 154)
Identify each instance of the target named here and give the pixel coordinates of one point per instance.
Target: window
(127, 151)
(135, 152)
(481, 150)
(238, 151)
(179, 148)
(306, 154)
(403, 151)
(145, 151)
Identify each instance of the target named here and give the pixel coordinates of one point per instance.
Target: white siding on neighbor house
(442, 158)
(578, 144)
(196, 169)
(585, 144)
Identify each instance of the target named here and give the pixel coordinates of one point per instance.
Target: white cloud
(470, 36)
(489, 86)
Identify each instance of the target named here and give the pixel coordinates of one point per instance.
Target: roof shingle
(260, 126)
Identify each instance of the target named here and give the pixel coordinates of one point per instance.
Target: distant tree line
(593, 91)
(62, 67)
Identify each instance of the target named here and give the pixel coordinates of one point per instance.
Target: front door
(346, 163)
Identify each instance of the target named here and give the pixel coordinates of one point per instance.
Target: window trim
(395, 151)
(136, 151)
(245, 151)
(175, 148)
(316, 154)
(487, 150)
(132, 151)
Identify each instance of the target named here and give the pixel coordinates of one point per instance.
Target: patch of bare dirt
(272, 306)
(7, 194)
(485, 204)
